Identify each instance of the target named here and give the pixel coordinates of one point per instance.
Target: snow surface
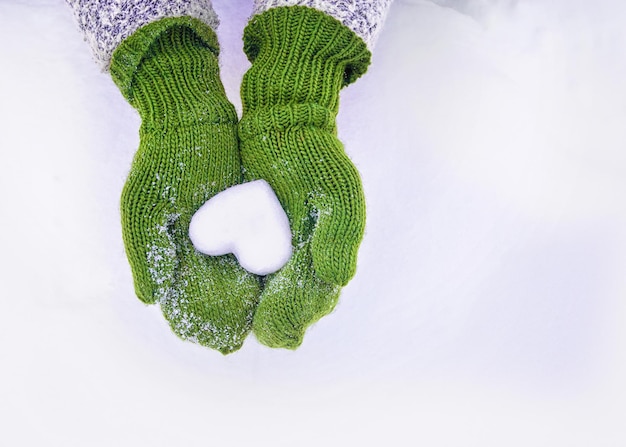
(489, 304)
(248, 221)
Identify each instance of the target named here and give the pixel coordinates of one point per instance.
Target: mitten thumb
(339, 229)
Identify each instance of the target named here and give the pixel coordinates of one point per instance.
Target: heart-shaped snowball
(248, 221)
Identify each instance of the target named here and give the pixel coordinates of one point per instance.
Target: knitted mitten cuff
(172, 78)
(301, 58)
(364, 17)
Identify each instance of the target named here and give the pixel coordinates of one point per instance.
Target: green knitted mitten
(168, 70)
(301, 58)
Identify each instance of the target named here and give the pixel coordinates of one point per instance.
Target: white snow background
(489, 305)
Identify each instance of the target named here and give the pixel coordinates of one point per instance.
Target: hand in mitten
(168, 71)
(301, 58)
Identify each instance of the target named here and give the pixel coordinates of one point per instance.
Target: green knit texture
(188, 152)
(301, 58)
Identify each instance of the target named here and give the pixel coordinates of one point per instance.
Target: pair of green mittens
(192, 147)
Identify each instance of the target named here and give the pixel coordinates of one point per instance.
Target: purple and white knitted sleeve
(106, 23)
(364, 17)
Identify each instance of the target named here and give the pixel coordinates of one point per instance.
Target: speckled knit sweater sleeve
(364, 17)
(106, 23)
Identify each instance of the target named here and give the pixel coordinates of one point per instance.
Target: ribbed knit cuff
(364, 17)
(301, 58)
(168, 70)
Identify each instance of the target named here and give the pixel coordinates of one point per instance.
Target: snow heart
(248, 221)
